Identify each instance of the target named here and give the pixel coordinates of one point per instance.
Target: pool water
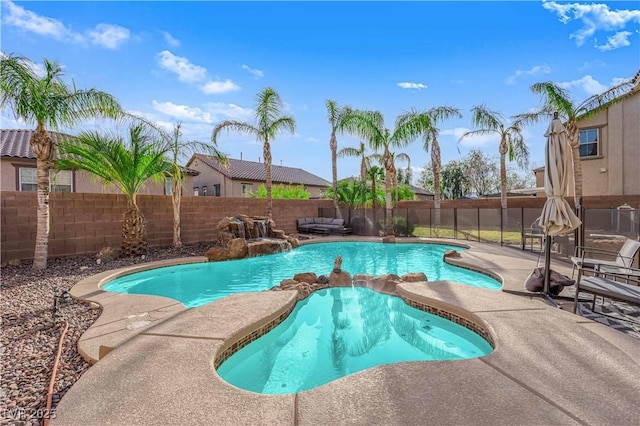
(340, 331)
(201, 283)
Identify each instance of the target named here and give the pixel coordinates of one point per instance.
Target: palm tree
(269, 122)
(335, 115)
(176, 149)
(360, 152)
(401, 156)
(424, 124)
(375, 174)
(369, 125)
(352, 193)
(557, 100)
(127, 166)
(511, 141)
(50, 104)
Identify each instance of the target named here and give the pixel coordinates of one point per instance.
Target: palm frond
(604, 100)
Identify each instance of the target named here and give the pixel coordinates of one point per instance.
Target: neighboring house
(610, 148)
(421, 193)
(240, 178)
(18, 170)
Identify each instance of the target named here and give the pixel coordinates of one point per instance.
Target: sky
(202, 62)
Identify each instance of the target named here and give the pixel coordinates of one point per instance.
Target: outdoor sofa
(322, 225)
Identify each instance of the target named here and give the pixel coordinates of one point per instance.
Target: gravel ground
(29, 333)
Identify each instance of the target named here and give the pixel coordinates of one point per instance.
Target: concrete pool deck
(156, 362)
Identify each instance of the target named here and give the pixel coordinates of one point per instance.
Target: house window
(589, 141)
(247, 189)
(196, 191)
(204, 190)
(216, 190)
(59, 181)
(168, 186)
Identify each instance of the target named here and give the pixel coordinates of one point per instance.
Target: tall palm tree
(401, 156)
(127, 165)
(375, 174)
(50, 104)
(556, 99)
(335, 115)
(360, 152)
(369, 125)
(511, 141)
(177, 147)
(424, 124)
(269, 122)
(352, 194)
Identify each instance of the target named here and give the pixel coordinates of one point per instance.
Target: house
(18, 170)
(610, 148)
(240, 177)
(421, 193)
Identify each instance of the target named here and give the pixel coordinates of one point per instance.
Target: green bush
(401, 227)
(290, 192)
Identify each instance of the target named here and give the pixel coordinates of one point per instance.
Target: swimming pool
(201, 283)
(340, 331)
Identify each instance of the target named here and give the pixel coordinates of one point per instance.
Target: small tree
(127, 165)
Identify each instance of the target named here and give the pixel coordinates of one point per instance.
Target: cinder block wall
(83, 223)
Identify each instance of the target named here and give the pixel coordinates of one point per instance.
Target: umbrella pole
(547, 271)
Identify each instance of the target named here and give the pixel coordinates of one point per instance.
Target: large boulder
(306, 277)
(223, 224)
(288, 284)
(216, 254)
(267, 246)
(451, 253)
(278, 233)
(295, 243)
(340, 279)
(385, 283)
(238, 248)
(389, 239)
(414, 277)
(224, 237)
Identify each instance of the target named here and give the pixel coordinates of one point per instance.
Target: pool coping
(501, 313)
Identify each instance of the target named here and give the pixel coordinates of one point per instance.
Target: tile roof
(251, 170)
(15, 142)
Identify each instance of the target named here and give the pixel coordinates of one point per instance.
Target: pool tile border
(471, 325)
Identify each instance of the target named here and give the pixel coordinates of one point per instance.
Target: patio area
(549, 366)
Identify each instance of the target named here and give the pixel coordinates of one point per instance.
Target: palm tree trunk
(503, 173)
(176, 197)
(134, 231)
(435, 164)
(334, 171)
(42, 228)
(267, 169)
(42, 147)
(388, 184)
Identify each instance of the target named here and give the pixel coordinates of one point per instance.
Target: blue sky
(202, 62)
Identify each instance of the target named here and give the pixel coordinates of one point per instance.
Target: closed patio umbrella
(557, 216)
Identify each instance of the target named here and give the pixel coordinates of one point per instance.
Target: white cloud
(256, 72)
(228, 111)
(185, 70)
(311, 139)
(217, 87)
(538, 69)
(619, 39)
(109, 36)
(170, 40)
(183, 112)
(587, 83)
(594, 18)
(104, 35)
(471, 141)
(408, 85)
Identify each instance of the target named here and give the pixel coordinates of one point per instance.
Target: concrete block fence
(84, 223)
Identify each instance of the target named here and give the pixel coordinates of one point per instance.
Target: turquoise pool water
(202, 283)
(340, 331)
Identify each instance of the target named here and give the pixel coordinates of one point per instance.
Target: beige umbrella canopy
(557, 216)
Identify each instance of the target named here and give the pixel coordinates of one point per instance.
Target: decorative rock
(340, 279)
(295, 243)
(306, 277)
(385, 283)
(268, 246)
(288, 284)
(278, 233)
(238, 248)
(337, 265)
(223, 224)
(216, 254)
(414, 277)
(107, 254)
(361, 280)
(389, 239)
(323, 279)
(451, 253)
(224, 237)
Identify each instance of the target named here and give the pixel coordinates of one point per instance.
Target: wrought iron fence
(604, 228)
